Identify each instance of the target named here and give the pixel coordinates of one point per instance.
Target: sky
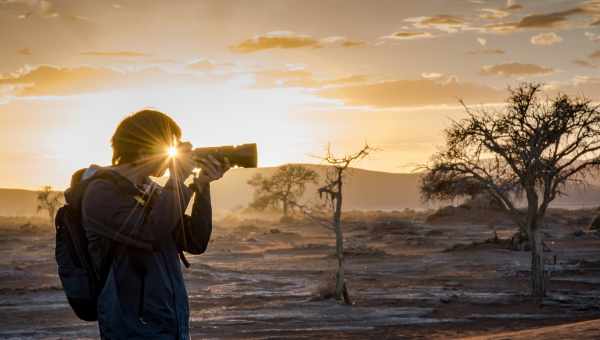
(290, 75)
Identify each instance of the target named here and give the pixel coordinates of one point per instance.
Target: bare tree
(286, 185)
(534, 146)
(49, 200)
(333, 191)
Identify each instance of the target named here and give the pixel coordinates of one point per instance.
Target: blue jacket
(144, 296)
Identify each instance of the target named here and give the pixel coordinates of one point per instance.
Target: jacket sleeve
(194, 234)
(119, 217)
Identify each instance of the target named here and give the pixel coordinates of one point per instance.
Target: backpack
(81, 281)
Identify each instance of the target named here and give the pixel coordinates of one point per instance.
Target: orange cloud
(443, 22)
(408, 35)
(272, 40)
(421, 92)
(515, 69)
(301, 78)
(46, 80)
(341, 41)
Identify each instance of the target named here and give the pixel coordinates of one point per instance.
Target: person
(137, 241)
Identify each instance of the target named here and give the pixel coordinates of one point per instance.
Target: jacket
(144, 295)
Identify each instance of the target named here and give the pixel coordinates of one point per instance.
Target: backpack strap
(125, 187)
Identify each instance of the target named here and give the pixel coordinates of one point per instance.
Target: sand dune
(364, 190)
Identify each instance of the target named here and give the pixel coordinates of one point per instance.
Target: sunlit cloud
(515, 70)
(555, 20)
(419, 92)
(408, 35)
(341, 41)
(432, 75)
(546, 39)
(512, 5)
(48, 80)
(584, 63)
(492, 14)
(276, 40)
(447, 23)
(302, 78)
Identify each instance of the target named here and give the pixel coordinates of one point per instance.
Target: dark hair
(146, 130)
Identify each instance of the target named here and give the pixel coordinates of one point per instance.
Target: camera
(244, 156)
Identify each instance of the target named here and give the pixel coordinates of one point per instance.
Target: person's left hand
(210, 170)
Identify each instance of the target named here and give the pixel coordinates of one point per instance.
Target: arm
(119, 217)
(194, 233)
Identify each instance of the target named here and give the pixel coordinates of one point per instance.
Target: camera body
(244, 156)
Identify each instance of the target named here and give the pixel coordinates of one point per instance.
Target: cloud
(432, 75)
(442, 22)
(513, 5)
(584, 63)
(408, 35)
(546, 39)
(24, 51)
(515, 70)
(341, 42)
(492, 14)
(557, 19)
(420, 92)
(48, 80)
(202, 65)
(127, 54)
(277, 39)
(301, 78)
(595, 55)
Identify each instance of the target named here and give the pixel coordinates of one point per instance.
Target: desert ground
(411, 275)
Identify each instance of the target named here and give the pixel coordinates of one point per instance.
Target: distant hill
(364, 190)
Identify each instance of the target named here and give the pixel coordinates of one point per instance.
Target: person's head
(143, 138)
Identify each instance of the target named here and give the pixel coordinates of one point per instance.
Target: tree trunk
(341, 293)
(538, 283)
(285, 208)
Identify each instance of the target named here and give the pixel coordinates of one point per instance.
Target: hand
(181, 166)
(210, 170)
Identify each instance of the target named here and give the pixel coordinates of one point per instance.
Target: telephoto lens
(243, 156)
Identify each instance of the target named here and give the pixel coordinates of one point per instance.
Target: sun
(172, 151)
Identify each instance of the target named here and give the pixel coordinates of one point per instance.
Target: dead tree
(285, 186)
(333, 191)
(49, 201)
(534, 146)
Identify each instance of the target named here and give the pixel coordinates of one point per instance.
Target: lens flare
(172, 151)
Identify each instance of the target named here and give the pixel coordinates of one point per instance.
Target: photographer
(137, 235)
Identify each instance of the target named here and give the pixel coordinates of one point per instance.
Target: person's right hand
(181, 166)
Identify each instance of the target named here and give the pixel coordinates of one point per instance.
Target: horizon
(231, 72)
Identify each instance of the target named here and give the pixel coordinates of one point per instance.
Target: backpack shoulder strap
(126, 188)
